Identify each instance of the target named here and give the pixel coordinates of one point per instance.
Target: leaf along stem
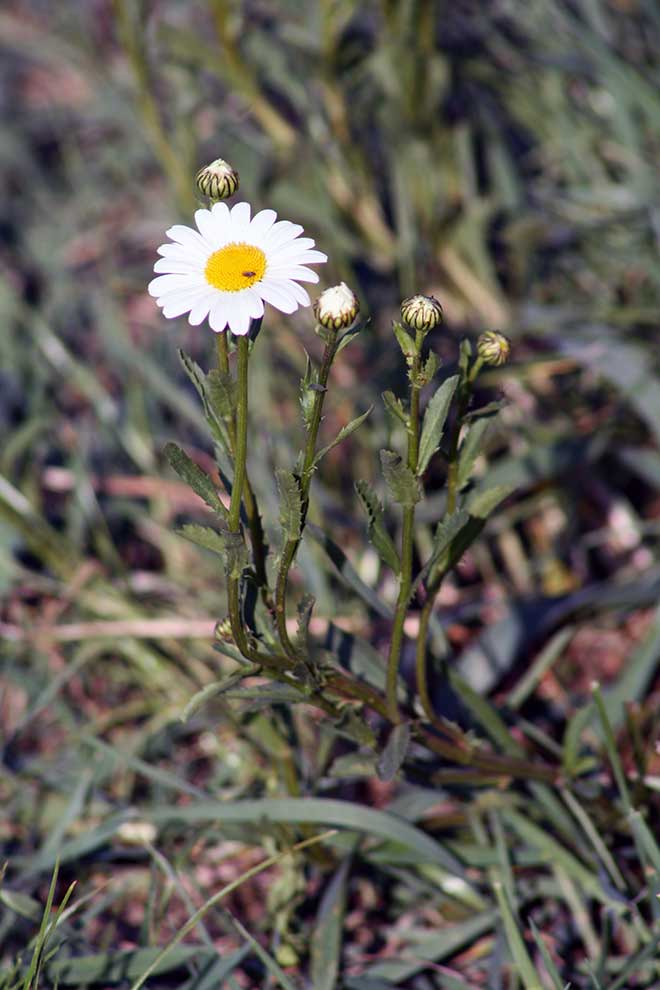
(407, 537)
(291, 546)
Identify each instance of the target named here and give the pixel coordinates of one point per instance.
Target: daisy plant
(224, 272)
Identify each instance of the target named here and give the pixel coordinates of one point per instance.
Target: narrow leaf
(327, 935)
(290, 504)
(470, 449)
(406, 343)
(378, 534)
(485, 501)
(221, 389)
(203, 536)
(395, 406)
(343, 434)
(396, 748)
(401, 482)
(304, 610)
(193, 475)
(434, 422)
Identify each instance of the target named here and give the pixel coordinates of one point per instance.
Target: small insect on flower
(231, 265)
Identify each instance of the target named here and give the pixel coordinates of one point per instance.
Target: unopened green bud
(421, 312)
(217, 180)
(493, 347)
(337, 307)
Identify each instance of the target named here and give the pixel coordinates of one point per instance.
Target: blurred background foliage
(502, 156)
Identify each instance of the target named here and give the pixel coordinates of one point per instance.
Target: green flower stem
(291, 546)
(464, 396)
(255, 526)
(407, 538)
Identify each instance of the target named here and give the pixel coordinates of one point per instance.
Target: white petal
(239, 317)
(278, 295)
(180, 253)
(260, 224)
(170, 283)
(255, 301)
(220, 213)
(171, 266)
(281, 233)
(201, 309)
(176, 305)
(188, 237)
(293, 271)
(207, 225)
(300, 295)
(218, 314)
(240, 221)
(290, 255)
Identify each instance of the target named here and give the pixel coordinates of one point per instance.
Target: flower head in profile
(231, 265)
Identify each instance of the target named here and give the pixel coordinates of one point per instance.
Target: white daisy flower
(234, 265)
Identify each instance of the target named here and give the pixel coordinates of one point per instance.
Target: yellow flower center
(235, 267)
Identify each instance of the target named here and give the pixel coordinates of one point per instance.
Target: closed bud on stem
(217, 180)
(493, 347)
(337, 307)
(421, 312)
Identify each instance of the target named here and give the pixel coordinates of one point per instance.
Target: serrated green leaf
(430, 367)
(406, 342)
(304, 612)
(198, 378)
(378, 534)
(222, 393)
(396, 748)
(306, 392)
(193, 475)
(470, 450)
(343, 434)
(401, 482)
(485, 501)
(395, 406)
(290, 504)
(445, 533)
(229, 546)
(203, 536)
(434, 422)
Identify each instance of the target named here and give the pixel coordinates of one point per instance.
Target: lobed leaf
(194, 476)
(343, 434)
(291, 508)
(434, 422)
(401, 482)
(378, 534)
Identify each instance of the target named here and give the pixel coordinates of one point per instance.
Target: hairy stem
(291, 546)
(407, 539)
(257, 539)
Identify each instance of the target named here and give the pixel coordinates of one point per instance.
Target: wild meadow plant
(225, 272)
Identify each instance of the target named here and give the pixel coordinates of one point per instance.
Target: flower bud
(337, 307)
(493, 347)
(217, 180)
(421, 312)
